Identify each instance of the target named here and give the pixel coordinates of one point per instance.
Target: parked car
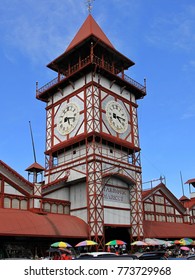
(105, 256)
(152, 255)
(191, 257)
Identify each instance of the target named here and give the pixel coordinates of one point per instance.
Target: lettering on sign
(116, 195)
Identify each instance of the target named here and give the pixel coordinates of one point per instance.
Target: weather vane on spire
(89, 5)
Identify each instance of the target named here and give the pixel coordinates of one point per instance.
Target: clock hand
(68, 119)
(71, 118)
(118, 117)
(114, 116)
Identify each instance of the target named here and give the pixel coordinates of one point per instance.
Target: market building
(165, 216)
(91, 185)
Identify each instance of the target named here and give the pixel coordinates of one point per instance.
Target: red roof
(184, 198)
(189, 203)
(168, 230)
(147, 192)
(89, 28)
(191, 181)
(20, 222)
(35, 166)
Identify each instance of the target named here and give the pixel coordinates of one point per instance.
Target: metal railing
(81, 64)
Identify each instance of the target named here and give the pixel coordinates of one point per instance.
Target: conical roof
(90, 31)
(35, 166)
(89, 28)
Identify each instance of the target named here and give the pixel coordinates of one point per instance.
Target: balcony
(81, 65)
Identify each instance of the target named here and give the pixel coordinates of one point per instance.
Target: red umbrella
(177, 242)
(115, 242)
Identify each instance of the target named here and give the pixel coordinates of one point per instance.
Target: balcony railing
(84, 62)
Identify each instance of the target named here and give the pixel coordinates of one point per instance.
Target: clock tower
(92, 141)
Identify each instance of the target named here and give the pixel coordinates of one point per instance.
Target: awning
(25, 223)
(168, 230)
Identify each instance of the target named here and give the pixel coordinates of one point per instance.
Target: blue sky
(157, 35)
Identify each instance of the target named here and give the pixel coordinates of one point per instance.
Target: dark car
(153, 255)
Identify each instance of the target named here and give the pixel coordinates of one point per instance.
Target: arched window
(54, 208)
(23, 204)
(46, 207)
(60, 209)
(66, 210)
(7, 202)
(15, 203)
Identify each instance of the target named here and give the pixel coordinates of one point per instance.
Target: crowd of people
(64, 255)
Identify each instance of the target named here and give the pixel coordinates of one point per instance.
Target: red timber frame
(67, 73)
(94, 170)
(95, 174)
(136, 209)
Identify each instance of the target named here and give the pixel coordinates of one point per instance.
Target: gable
(162, 198)
(8, 189)
(12, 182)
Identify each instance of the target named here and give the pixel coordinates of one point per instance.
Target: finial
(89, 5)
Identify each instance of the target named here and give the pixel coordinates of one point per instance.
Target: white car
(104, 256)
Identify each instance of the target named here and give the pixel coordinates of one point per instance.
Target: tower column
(94, 168)
(136, 209)
(95, 202)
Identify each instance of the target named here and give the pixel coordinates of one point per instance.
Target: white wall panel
(62, 194)
(11, 190)
(78, 196)
(116, 216)
(82, 214)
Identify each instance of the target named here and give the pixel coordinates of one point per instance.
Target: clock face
(68, 118)
(116, 116)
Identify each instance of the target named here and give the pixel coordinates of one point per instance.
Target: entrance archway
(121, 233)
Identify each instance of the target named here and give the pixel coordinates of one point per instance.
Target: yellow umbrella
(60, 244)
(186, 241)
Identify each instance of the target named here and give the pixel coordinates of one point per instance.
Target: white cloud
(38, 29)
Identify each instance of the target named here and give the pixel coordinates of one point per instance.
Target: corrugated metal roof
(26, 223)
(168, 230)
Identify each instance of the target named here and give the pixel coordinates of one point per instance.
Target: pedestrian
(165, 256)
(65, 256)
(56, 256)
(108, 249)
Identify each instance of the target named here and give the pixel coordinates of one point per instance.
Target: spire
(89, 28)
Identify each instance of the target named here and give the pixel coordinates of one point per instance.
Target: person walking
(65, 256)
(165, 256)
(56, 256)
